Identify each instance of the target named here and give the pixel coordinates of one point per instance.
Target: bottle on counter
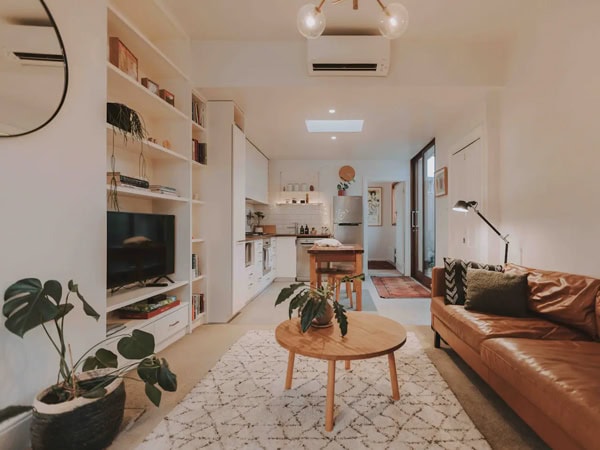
(301, 229)
(306, 229)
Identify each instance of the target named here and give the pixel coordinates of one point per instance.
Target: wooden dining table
(345, 253)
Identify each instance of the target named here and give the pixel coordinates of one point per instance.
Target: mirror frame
(66, 84)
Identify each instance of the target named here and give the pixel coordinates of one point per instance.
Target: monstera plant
(29, 304)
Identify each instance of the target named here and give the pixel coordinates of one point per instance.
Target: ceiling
(399, 119)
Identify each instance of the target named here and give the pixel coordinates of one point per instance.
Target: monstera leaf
(73, 287)
(28, 304)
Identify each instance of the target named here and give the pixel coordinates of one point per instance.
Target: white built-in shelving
(129, 296)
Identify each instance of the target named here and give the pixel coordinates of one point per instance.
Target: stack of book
(149, 308)
(199, 151)
(197, 305)
(124, 180)
(198, 111)
(160, 189)
(195, 266)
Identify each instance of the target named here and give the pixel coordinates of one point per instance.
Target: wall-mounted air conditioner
(348, 56)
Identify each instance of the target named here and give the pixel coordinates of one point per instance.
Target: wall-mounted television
(139, 247)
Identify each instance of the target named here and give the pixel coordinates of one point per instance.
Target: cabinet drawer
(170, 324)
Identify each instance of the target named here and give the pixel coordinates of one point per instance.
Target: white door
(398, 191)
(467, 232)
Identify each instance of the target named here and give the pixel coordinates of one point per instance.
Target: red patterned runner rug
(399, 287)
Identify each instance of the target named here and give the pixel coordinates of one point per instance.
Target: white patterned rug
(241, 404)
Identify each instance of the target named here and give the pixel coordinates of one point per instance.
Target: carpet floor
(399, 287)
(380, 265)
(241, 403)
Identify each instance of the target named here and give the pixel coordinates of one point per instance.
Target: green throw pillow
(496, 293)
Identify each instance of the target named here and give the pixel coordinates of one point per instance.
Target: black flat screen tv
(139, 247)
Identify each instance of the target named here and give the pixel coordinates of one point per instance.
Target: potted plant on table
(316, 306)
(342, 186)
(84, 409)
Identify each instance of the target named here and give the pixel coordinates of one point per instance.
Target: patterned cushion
(455, 274)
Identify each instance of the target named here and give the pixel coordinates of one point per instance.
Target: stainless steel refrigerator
(347, 219)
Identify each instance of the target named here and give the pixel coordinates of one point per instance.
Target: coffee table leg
(290, 370)
(393, 376)
(347, 364)
(330, 395)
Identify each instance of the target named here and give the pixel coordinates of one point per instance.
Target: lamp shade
(310, 21)
(393, 20)
(461, 206)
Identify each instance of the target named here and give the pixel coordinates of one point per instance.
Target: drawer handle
(174, 323)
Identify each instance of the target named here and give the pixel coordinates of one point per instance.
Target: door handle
(413, 219)
(174, 323)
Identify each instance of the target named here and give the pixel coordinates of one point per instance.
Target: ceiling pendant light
(393, 20)
(311, 20)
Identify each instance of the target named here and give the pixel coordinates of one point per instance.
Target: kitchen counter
(270, 235)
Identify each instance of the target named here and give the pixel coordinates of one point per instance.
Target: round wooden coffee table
(369, 335)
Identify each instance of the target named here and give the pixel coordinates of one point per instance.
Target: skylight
(334, 126)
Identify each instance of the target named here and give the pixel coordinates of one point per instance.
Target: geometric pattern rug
(241, 404)
(399, 287)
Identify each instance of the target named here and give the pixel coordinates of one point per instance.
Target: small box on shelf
(149, 308)
(167, 96)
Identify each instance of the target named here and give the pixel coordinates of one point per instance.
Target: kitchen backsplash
(284, 216)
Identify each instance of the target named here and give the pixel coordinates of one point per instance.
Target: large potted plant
(84, 408)
(316, 306)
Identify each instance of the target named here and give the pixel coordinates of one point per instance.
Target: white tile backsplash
(285, 216)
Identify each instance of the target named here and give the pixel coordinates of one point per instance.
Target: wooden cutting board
(269, 229)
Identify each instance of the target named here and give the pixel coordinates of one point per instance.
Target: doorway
(422, 217)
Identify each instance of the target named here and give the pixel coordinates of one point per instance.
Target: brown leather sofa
(546, 366)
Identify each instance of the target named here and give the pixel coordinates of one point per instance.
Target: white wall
(382, 240)
(549, 148)
(53, 204)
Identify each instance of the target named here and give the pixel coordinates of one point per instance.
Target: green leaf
(106, 358)
(148, 370)
(63, 310)
(166, 379)
(320, 307)
(91, 312)
(137, 346)
(287, 292)
(298, 301)
(12, 411)
(54, 290)
(27, 306)
(153, 393)
(307, 315)
(90, 363)
(340, 316)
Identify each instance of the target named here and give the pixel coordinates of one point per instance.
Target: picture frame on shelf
(440, 182)
(122, 58)
(167, 96)
(150, 85)
(374, 206)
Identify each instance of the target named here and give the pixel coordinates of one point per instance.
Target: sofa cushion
(497, 293)
(475, 327)
(455, 274)
(561, 378)
(566, 298)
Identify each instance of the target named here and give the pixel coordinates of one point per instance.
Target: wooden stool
(333, 276)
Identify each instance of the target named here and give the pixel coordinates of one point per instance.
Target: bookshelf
(162, 53)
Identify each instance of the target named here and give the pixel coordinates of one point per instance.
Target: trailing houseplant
(342, 186)
(316, 305)
(89, 391)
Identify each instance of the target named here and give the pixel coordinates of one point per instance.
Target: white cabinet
(239, 184)
(239, 278)
(257, 174)
(285, 266)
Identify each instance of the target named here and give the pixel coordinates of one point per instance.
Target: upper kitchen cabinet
(257, 175)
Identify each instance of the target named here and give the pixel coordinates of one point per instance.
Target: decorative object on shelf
(392, 21)
(342, 186)
(167, 96)
(120, 57)
(440, 182)
(312, 188)
(259, 216)
(463, 206)
(316, 306)
(82, 410)
(166, 144)
(374, 205)
(150, 85)
(347, 173)
(129, 124)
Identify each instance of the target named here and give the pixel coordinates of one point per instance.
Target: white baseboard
(14, 433)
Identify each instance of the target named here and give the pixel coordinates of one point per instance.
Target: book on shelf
(197, 305)
(125, 314)
(195, 266)
(150, 304)
(198, 111)
(199, 151)
(159, 189)
(125, 180)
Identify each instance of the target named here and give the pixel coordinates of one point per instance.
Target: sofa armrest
(438, 284)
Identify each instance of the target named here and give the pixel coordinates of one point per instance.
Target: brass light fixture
(392, 21)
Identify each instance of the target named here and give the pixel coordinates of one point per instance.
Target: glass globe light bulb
(310, 21)
(393, 21)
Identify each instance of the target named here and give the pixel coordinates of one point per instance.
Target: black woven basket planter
(80, 424)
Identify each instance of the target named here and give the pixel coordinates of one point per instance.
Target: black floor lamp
(464, 206)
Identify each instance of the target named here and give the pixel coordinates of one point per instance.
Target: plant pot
(326, 319)
(80, 423)
(341, 192)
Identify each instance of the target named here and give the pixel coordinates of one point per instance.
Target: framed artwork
(121, 57)
(440, 181)
(374, 205)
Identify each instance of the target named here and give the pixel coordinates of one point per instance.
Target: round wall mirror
(33, 67)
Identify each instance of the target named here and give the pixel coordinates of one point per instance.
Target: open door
(423, 214)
